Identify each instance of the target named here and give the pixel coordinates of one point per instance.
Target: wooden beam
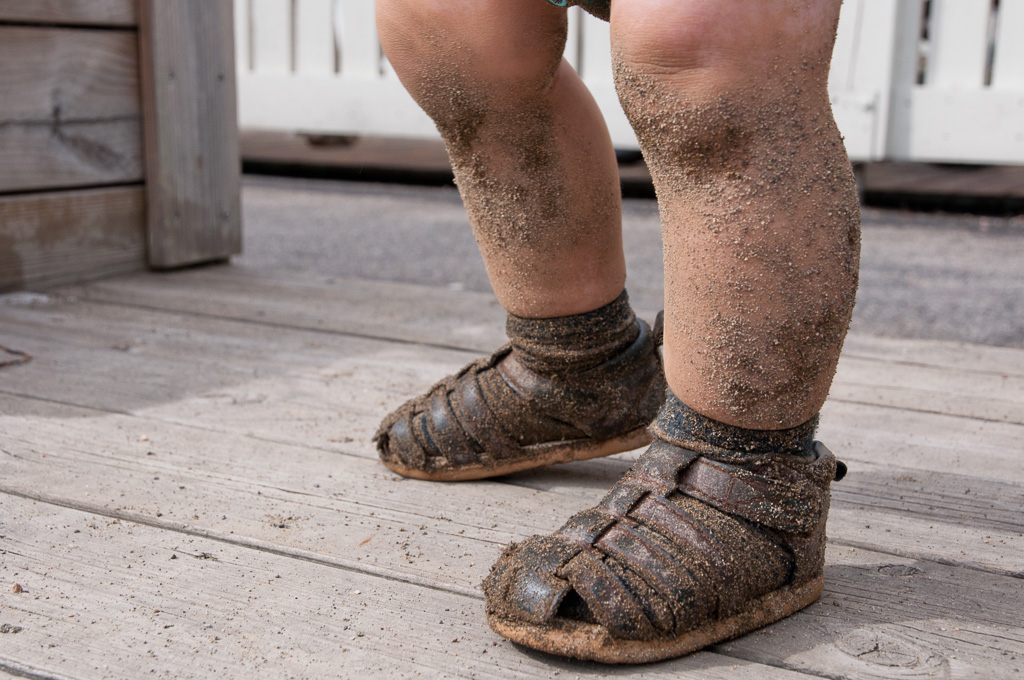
(120, 13)
(71, 236)
(37, 156)
(190, 124)
(62, 75)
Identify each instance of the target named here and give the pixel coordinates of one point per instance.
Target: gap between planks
(226, 601)
(901, 618)
(139, 465)
(71, 337)
(312, 406)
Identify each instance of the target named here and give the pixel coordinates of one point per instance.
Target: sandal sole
(536, 455)
(591, 642)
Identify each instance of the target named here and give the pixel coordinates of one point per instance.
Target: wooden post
(190, 124)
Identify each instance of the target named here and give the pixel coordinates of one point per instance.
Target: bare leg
(719, 527)
(531, 153)
(758, 203)
(581, 376)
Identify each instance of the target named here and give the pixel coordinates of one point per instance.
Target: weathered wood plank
(120, 13)
(928, 620)
(914, 513)
(968, 393)
(888, 620)
(69, 155)
(62, 75)
(385, 309)
(81, 346)
(112, 599)
(471, 320)
(70, 236)
(193, 167)
(870, 372)
(938, 353)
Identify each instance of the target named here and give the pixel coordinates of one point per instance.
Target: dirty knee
(447, 54)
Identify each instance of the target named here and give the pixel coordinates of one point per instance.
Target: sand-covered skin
(761, 229)
(758, 203)
(537, 174)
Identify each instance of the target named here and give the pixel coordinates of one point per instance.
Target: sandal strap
(458, 422)
(476, 416)
(644, 564)
(791, 506)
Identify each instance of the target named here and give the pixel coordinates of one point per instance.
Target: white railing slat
(906, 51)
(287, 77)
(958, 43)
(1008, 65)
(844, 53)
(596, 50)
(314, 37)
(360, 49)
(572, 39)
(271, 36)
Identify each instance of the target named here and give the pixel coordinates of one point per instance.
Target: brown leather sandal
(696, 544)
(497, 416)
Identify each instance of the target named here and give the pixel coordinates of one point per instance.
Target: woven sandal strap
(476, 419)
(611, 602)
(792, 506)
(645, 565)
(631, 544)
(446, 432)
(682, 531)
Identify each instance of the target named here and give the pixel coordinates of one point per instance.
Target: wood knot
(881, 648)
(898, 570)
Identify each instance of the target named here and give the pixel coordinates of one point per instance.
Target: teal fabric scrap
(599, 8)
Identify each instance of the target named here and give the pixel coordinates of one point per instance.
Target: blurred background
(929, 95)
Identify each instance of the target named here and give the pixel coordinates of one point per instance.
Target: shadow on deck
(188, 488)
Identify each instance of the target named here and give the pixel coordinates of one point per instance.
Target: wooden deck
(188, 489)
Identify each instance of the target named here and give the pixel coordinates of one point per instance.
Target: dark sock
(576, 342)
(679, 424)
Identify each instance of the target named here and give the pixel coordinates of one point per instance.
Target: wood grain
(301, 388)
(209, 455)
(917, 514)
(119, 13)
(108, 598)
(191, 125)
(471, 320)
(857, 431)
(883, 616)
(70, 236)
(949, 378)
(62, 75)
(43, 156)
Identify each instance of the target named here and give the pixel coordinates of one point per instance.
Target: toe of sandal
(496, 417)
(683, 552)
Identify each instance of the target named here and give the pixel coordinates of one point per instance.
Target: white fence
(922, 80)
